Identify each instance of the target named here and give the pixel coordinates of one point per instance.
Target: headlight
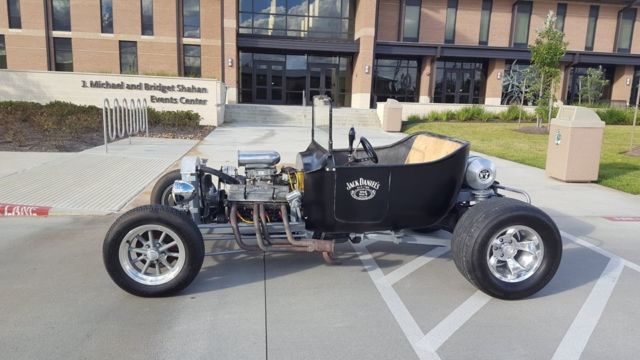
(182, 192)
(481, 173)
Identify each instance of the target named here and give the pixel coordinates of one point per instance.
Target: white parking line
(579, 332)
(398, 274)
(454, 321)
(599, 250)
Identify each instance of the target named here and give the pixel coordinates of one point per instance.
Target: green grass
(617, 170)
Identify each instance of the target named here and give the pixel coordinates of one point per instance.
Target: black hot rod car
(505, 247)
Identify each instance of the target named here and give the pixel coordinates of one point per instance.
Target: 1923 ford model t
(505, 247)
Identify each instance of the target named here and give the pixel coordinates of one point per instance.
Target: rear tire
(161, 193)
(153, 251)
(507, 248)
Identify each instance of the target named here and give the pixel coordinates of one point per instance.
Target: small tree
(546, 54)
(591, 85)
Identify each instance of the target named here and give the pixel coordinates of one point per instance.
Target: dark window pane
(191, 18)
(192, 66)
(591, 27)
(521, 26)
(128, 57)
(63, 54)
(485, 20)
(395, 79)
(246, 5)
(106, 11)
(3, 53)
(411, 20)
(626, 19)
(450, 22)
(15, 21)
(61, 15)
(146, 11)
(561, 14)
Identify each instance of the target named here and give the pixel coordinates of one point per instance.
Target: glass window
(576, 82)
(296, 18)
(396, 79)
(61, 13)
(15, 22)
(411, 20)
(106, 14)
(591, 27)
(146, 13)
(485, 20)
(128, 57)
(521, 25)
(459, 82)
(191, 18)
(450, 22)
(561, 14)
(63, 54)
(634, 86)
(626, 18)
(3, 53)
(192, 65)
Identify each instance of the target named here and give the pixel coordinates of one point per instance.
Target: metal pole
(146, 117)
(550, 101)
(106, 112)
(635, 117)
(580, 91)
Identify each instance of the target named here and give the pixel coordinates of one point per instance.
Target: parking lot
(389, 298)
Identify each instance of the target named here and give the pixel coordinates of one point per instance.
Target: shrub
(471, 113)
(434, 116)
(448, 115)
(615, 116)
(174, 119)
(414, 117)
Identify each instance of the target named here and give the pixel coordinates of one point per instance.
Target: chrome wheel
(515, 253)
(152, 254)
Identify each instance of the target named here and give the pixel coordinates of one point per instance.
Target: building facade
(357, 51)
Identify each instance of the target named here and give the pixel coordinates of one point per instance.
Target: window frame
(405, 64)
(483, 12)
(184, 60)
(514, 26)
(120, 53)
(452, 39)
(594, 13)
(184, 32)
(56, 50)
(142, 22)
(404, 17)
(15, 20)
(3, 52)
(617, 47)
(105, 29)
(562, 6)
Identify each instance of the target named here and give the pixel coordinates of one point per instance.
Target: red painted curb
(23, 210)
(623, 218)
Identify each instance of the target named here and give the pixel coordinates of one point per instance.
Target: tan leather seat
(426, 148)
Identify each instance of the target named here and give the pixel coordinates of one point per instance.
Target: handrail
(126, 120)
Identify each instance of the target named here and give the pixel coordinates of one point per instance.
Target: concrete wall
(44, 87)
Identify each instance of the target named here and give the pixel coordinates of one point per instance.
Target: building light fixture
(230, 62)
(367, 69)
(499, 75)
(628, 81)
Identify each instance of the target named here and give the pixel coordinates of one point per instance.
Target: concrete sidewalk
(90, 182)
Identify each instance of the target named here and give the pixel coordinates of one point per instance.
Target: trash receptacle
(575, 142)
(392, 116)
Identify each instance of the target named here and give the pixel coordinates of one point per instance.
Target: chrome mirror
(182, 192)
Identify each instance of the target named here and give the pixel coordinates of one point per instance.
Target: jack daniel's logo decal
(363, 189)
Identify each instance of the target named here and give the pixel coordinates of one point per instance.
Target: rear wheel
(161, 193)
(507, 248)
(153, 251)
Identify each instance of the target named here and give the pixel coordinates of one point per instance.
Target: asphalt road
(57, 302)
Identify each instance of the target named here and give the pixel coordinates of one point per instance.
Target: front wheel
(153, 251)
(507, 248)
(161, 193)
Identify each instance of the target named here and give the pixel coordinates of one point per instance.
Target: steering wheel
(368, 148)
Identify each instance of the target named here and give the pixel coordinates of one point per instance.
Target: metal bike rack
(124, 120)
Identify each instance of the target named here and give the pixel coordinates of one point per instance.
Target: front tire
(153, 251)
(507, 248)
(161, 193)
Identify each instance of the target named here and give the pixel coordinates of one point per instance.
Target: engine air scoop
(258, 158)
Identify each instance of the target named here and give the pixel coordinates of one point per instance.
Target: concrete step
(296, 115)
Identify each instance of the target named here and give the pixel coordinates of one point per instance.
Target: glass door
(322, 79)
(268, 80)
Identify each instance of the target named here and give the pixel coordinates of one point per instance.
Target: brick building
(357, 51)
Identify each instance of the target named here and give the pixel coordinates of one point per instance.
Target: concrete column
(493, 87)
(229, 24)
(365, 23)
(621, 86)
(425, 80)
